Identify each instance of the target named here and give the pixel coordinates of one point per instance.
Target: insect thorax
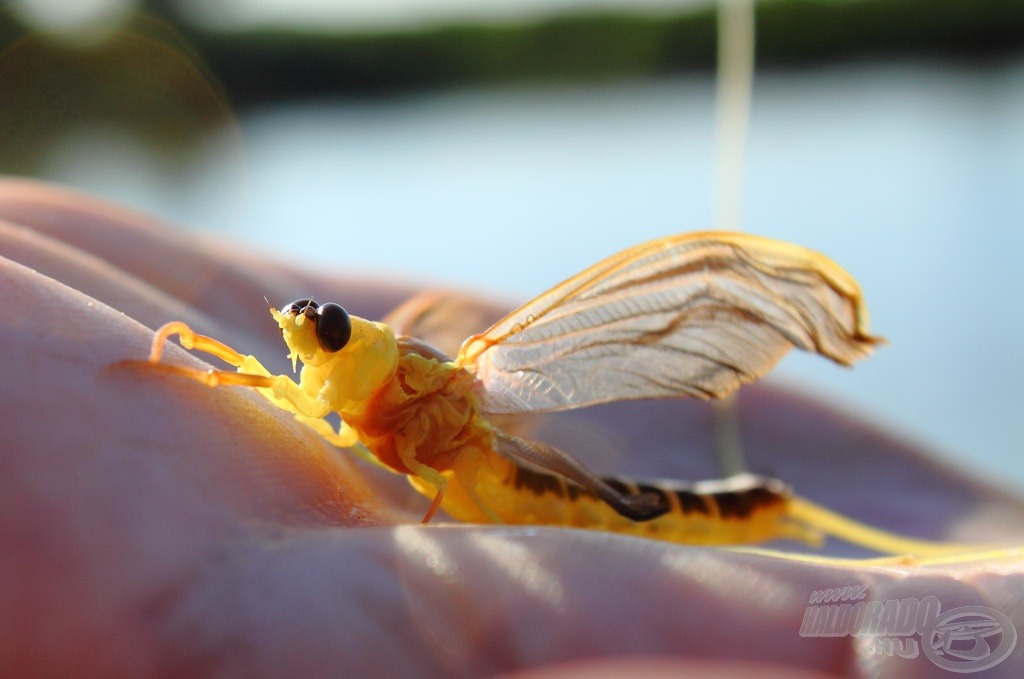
(427, 411)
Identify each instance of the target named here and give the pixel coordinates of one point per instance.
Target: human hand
(153, 525)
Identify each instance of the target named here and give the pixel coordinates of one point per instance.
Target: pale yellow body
(691, 315)
(420, 416)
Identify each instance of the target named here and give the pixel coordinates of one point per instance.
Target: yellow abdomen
(744, 509)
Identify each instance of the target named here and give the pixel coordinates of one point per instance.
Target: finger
(223, 281)
(476, 601)
(78, 436)
(660, 667)
(883, 481)
(83, 271)
(256, 513)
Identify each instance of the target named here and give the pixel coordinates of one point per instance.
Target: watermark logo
(964, 639)
(969, 639)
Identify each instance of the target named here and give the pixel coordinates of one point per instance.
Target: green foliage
(269, 65)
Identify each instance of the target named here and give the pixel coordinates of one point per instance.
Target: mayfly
(693, 315)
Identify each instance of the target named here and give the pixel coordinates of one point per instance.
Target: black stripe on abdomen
(542, 483)
(737, 497)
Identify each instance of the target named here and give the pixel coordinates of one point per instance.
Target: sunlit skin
(155, 526)
(408, 407)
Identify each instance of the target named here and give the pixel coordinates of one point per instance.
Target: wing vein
(691, 315)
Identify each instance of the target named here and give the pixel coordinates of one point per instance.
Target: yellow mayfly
(696, 315)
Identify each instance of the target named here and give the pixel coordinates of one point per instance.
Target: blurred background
(503, 146)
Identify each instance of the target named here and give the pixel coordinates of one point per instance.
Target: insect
(693, 315)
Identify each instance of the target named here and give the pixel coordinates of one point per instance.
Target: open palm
(155, 526)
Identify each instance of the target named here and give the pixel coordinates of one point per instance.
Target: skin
(151, 525)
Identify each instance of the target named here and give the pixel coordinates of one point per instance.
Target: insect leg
(345, 437)
(281, 390)
(190, 339)
(259, 377)
(643, 507)
(431, 476)
(326, 431)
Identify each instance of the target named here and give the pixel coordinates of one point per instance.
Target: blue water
(909, 176)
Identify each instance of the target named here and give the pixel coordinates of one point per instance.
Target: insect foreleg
(250, 374)
(190, 339)
(282, 391)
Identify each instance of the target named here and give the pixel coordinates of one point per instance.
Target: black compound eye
(299, 306)
(333, 327)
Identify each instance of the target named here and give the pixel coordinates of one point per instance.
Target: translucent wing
(692, 315)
